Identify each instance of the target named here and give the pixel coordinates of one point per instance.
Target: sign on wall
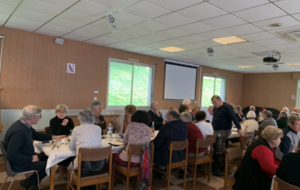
(71, 68)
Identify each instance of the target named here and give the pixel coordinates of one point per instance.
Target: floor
(216, 183)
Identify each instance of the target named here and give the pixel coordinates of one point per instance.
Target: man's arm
(161, 136)
(102, 122)
(39, 136)
(262, 126)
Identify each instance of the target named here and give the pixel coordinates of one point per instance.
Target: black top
(223, 117)
(56, 127)
(18, 143)
(282, 122)
(158, 121)
(240, 119)
(102, 125)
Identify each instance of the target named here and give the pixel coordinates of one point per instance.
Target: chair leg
(209, 172)
(205, 168)
(100, 186)
(12, 182)
(38, 179)
(112, 178)
(177, 171)
(184, 177)
(194, 176)
(3, 183)
(68, 180)
(127, 182)
(168, 177)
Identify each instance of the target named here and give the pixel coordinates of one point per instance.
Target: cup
(63, 140)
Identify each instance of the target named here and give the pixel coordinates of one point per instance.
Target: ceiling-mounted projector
(271, 57)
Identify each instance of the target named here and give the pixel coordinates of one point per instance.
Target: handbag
(91, 168)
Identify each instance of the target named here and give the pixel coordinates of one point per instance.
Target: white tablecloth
(57, 155)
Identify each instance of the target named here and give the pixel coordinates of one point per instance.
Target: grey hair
(95, 104)
(267, 113)
(30, 111)
(152, 103)
(283, 114)
(252, 107)
(86, 116)
(186, 101)
(238, 107)
(186, 116)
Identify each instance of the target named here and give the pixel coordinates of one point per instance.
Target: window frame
(150, 87)
(215, 76)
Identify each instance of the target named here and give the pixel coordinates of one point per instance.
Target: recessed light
(230, 40)
(172, 49)
(245, 67)
(293, 64)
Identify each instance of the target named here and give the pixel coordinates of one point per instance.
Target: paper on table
(117, 143)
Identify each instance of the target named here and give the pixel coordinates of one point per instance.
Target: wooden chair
(282, 185)
(213, 137)
(176, 146)
(206, 159)
(47, 130)
(243, 142)
(232, 154)
(133, 150)
(257, 133)
(11, 173)
(91, 154)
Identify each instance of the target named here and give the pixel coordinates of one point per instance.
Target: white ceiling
(148, 25)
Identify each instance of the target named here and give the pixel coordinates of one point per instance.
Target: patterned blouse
(136, 133)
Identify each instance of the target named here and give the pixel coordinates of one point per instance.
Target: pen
(53, 147)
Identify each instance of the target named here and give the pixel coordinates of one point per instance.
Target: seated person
(289, 169)
(120, 124)
(19, 146)
(174, 130)
(183, 108)
(195, 110)
(284, 109)
(261, 118)
(239, 113)
(60, 124)
(259, 163)
(188, 103)
(137, 132)
(289, 142)
(250, 125)
(193, 134)
(155, 115)
(86, 135)
(210, 114)
(282, 121)
(268, 120)
(99, 119)
(204, 127)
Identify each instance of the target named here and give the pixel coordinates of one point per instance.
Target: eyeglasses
(61, 112)
(39, 116)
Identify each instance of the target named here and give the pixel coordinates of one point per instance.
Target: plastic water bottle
(153, 129)
(109, 132)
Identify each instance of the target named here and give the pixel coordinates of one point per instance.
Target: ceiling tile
(243, 29)
(19, 26)
(208, 43)
(91, 8)
(151, 26)
(174, 5)
(191, 39)
(196, 27)
(77, 17)
(101, 41)
(224, 21)
(282, 47)
(134, 32)
(138, 41)
(258, 36)
(79, 36)
(146, 10)
(116, 4)
(65, 23)
(60, 3)
(41, 7)
(59, 30)
(245, 45)
(32, 15)
(94, 30)
(290, 6)
(3, 18)
(202, 11)
(48, 32)
(139, 49)
(121, 45)
(256, 49)
(260, 13)
(156, 46)
(173, 20)
(173, 33)
(154, 37)
(190, 46)
(233, 5)
(6, 9)
(26, 22)
(127, 19)
(296, 16)
(286, 21)
(214, 34)
(10, 2)
(172, 42)
(118, 36)
(271, 42)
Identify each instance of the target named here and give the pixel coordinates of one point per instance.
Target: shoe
(25, 184)
(32, 187)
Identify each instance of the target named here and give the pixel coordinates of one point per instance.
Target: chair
(133, 150)
(244, 141)
(91, 154)
(257, 133)
(176, 146)
(47, 130)
(232, 154)
(11, 173)
(282, 185)
(213, 137)
(207, 159)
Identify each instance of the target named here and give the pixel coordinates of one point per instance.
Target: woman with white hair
(250, 125)
(188, 103)
(239, 113)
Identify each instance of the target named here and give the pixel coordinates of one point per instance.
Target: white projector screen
(180, 82)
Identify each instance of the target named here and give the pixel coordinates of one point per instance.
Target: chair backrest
(94, 154)
(257, 133)
(282, 185)
(178, 145)
(6, 162)
(213, 137)
(203, 143)
(136, 149)
(244, 141)
(234, 153)
(47, 130)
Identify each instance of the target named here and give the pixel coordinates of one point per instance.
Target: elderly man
(210, 113)
(155, 115)
(252, 108)
(223, 117)
(268, 120)
(296, 110)
(19, 147)
(174, 130)
(99, 119)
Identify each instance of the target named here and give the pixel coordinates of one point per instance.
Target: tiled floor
(216, 183)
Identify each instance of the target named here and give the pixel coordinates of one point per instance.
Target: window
(129, 83)
(212, 85)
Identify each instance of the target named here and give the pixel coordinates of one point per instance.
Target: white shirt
(250, 125)
(205, 128)
(209, 117)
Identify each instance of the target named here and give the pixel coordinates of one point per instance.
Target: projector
(270, 60)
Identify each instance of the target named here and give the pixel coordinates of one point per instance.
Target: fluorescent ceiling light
(244, 67)
(293, 64)
(229, 40)
(172, 49)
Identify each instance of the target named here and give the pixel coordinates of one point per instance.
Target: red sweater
(194, 133)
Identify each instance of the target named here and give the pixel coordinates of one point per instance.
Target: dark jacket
(282, 122)
(289, 169)
(18, 143)
(171, 131)
(56, 127)
(289, 140)
(102, 125)
(158, 121)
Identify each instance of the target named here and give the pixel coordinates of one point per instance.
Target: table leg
(52, 177)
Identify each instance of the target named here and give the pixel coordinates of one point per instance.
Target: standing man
(223, 117)
(210, 113)
(19, 146)
(156, 116)
(99, 119)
